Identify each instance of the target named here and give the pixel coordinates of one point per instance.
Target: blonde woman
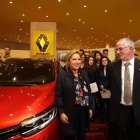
(72, 97)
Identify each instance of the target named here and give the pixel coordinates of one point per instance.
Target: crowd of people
(77, 101)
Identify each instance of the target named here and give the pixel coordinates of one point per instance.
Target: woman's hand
(64, 118)
(90, 113)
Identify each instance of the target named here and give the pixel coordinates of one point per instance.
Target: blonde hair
(69, 55)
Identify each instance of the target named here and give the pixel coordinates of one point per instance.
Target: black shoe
(101, 121)
(107, 123)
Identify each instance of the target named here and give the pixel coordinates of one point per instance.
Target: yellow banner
(43, 43)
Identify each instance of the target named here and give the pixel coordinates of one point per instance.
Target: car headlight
(37, 122)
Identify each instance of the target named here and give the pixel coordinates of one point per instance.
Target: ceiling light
(18, 36)
(74, 42)
(106, 35)
(109, 25)
(95, 39)
(116, 40)
(128, 36)
(83, 22)
(47, 16)
(59, 0)
(19, 40)
(81, 43)
(65, 40)
(85, 6)
(67, 13)
(20, 29)
(5, 39)
(124, 33)
(79, 19)
(23, 15)
(74, 30)
(80, 40)
(93, 43)
(10, 2)
(105, 10)
(39, 7)
(130, 20)
(92, 37)
(111, 38)
(91, 28)
(61, 42)
(56, 30)
(77, 37)
(21, 20)
(26, 33)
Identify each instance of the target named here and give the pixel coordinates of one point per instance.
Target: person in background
(103, 84)
(97, 58)
(116, 57)
(86, 54)
(124, 83)
(72, 98)
(91, 69)
(136, 56)
(105, 53)
(82, 61)
(82, 51)
(7, 51)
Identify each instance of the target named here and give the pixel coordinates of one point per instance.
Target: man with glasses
(124, 82)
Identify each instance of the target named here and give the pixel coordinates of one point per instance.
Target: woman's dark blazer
(103, 80)
(65, 99)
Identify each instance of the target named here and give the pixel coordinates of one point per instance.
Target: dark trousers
(105, 102)
(80, 123)
(124, 126)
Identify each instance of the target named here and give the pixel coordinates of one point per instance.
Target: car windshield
(26, 73)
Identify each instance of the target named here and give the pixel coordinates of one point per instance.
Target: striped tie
(127, 84)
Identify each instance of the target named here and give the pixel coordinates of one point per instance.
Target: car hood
(20, 102)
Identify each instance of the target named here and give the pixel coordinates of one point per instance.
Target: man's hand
(64, 118)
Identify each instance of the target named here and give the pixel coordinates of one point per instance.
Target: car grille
(9, 133)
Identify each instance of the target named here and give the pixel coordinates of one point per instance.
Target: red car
(27, 108)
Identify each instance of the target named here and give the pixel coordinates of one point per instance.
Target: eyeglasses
(120, 49)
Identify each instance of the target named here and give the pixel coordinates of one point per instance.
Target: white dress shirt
(131, 69)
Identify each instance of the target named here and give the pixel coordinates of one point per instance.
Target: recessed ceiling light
(111, 38)
(83, 22)
(74, 42)
(92, 37)
(80, 40)
(95, 39)
(93, 43)
(77, 37)
(67, 13)
(105, 10)
(21, 20)
(116, 40)
(5, 39)
(124, 33)
(20, 29)
(39, 7)
(74, 30)
(130, 20)
(47, 16)
(128, 36)
(79, 19)
(56, 30)
(81, 43)
(85, 6)
(10, 2)
(65, 40)
(61, 42)
(109, 25)
(59, 0)
(18, 36)
(23, 15)
(26, 33)
(19, 40)
(106, 35)
(101, 41)
(91, 28)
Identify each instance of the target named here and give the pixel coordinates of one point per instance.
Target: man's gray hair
(128, 42)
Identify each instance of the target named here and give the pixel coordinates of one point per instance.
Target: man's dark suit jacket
(114, 76)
